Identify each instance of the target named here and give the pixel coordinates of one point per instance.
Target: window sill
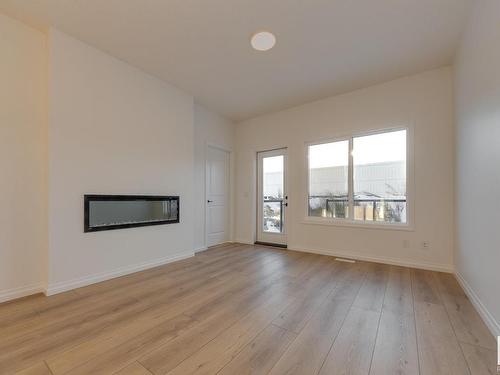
(352, 224)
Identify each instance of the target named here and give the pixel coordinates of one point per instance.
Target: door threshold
(282, 246)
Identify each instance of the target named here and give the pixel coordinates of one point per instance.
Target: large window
(361, 179)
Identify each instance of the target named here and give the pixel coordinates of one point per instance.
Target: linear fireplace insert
(106, 212)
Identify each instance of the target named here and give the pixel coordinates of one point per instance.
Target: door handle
(209, 201)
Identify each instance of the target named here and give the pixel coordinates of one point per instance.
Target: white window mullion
(351, 180)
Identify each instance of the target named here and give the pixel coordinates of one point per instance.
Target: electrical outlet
(426, 245)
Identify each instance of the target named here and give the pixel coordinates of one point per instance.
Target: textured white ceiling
(324, 47)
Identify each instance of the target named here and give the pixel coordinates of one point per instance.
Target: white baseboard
(245, 242)
(64, 286)
(204, 248)
(377, 259)
(199, 249)
(487, 317)
(23, 291)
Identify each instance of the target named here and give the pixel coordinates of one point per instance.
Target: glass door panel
(272, 194)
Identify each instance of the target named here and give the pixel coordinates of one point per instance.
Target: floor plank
(47, 342)
(481, 361)
(371, 294)
(134, 368)
(259, 356)
(396, 347)
(447, 283)
(398, 295)
(425, 287)
(308, 351)
(94, 360)
(38, 369)
(219, 352)
(349, 281)
(34, 347)
(352, 350)
(108, 355)
(165, 358)
(439, 350)
(313, 294)
(468, 325)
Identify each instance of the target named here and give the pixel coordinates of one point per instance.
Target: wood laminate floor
(241, 309)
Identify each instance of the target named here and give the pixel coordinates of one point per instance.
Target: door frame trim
(230, 205)
(257, 190)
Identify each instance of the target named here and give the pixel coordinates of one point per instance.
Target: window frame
(349, 221)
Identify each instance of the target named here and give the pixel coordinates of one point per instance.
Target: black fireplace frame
(101, 197)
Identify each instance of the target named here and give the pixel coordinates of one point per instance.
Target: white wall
(477, 77)
(209, 129)
(23, 157)
(113, 130)
(424, 101)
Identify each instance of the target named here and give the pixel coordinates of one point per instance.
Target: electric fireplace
(106, 212)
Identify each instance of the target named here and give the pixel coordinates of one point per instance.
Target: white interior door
(272, 199)
(217, 195)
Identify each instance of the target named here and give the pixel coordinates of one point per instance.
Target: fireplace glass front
(104, 212)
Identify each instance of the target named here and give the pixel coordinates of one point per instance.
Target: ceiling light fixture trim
(263, 41)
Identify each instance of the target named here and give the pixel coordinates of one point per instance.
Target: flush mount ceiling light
(263, 41)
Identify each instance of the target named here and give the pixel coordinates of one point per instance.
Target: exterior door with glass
(272, 199)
